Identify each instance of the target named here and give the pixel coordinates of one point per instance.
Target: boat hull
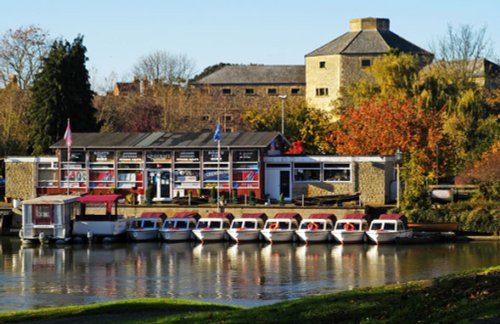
(100, 228)
(139, 235)
(244, 235)
(349, 237)
(209, 235)
(387, 237)
(309, 236)
(175, 235)
(278, 235)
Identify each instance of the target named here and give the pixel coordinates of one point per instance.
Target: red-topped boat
(180, 226)
(247, 227)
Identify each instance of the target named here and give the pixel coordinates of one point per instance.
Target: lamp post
(398, 157)
(283, 98)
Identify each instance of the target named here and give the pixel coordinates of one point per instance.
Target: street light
(283, 98)
(398, 157)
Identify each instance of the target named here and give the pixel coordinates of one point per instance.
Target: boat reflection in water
(246, 274)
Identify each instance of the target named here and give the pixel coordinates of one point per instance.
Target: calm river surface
(247, 274)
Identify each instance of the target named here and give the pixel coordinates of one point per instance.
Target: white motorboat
(109, 226)
(316, 228)
(281, 228)
(247, 228)
(146, 227)
(351, 229)
(179, 227)
(387, 228)
(213, 227)
(48, 218)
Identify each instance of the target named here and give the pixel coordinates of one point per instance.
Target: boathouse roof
(163, 140)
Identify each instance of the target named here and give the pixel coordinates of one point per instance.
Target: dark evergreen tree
(61, 90)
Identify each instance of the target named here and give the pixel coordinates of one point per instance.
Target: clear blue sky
(118, 33)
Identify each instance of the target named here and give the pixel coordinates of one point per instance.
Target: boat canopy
(400, 217)
(358, 216)
(331, 217)
(187, 214)
(262, 216)
(295, 216)
(154, 215)
(51, 200)
(229, 216)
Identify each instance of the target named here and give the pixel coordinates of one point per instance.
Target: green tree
(61, 90)
(302, 123)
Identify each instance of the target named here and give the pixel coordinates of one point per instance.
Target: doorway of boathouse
(278, 180)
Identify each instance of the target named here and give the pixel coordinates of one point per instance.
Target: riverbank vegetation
(458, 298)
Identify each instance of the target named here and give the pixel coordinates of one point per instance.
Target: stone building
(344, 60)
(233, 88)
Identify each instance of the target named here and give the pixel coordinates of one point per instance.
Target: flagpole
(67, 168)
(218, 174)
(68, 138)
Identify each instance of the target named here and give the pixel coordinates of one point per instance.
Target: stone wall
(371, 179)
(21, 178)
(373, 182)
(327, 77)
(237, 211)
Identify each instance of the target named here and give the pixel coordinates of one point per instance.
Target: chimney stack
(13, 79)
(369, 23)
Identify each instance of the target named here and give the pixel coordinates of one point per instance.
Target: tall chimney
(369, 23)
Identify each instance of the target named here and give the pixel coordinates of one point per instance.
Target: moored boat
(47, 218)
(146, 227)
(316, 228)
(281, 228)
(247, 228)
(387, 228)
(179, 227)
(213, 227)
(351, 229)
(110, 226)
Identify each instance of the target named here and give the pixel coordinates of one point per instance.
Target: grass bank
(462, 297)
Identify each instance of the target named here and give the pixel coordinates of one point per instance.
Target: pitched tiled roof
(371, 41)
(256, 74)
(167, 140)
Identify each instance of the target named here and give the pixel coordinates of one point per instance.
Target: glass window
(272, 91)
(366, 62)
(322, 64)
(202, 224)
(306, 172)
(237, 224)
(148, 224)
(340, 172)
(295, 91)
(376, 226)
(320, 92)
(215, 224)
(249, 92)
(389, 226)
(226, 91)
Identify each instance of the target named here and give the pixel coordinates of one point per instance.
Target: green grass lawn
(456, 298)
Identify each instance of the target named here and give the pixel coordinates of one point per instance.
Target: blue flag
(217, 133)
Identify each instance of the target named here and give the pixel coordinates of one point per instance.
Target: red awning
(96, 199)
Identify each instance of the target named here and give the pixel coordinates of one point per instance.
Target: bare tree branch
(164, 67)
(21, 51)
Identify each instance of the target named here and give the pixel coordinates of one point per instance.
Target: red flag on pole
(68, 137)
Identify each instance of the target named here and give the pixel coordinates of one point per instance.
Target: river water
(247, 274)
